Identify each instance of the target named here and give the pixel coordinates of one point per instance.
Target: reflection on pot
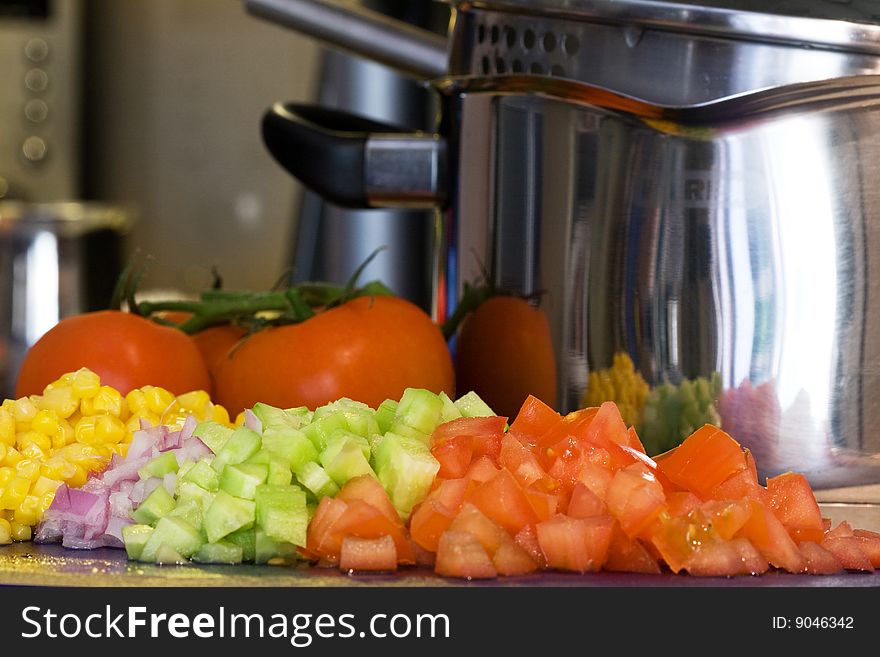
(663, 415)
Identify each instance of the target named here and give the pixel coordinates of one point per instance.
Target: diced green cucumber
(385, 415)
(341, 405)
(315, 478)
(177, 534)
(281, 512)
(168, 556)
(450, 410)
(406, 468)
(279, 473)
(339, 440)
(242, 444)
(165, 463)
(359, 418)
(213, 434)
(135, 537)
(267, 549)
(190, 510)
(273, 417)
(226, 515)
(188, 491)
(242, 480)
(219, 552)
(346, 457)
(471, 405)
(184, 469)
(418, 409)
(320, 430)
(246, 540)
(203, 475)
(291, 445)
(157, 504)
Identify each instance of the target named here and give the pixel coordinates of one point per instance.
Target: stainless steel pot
(56, 260)
(692, 186)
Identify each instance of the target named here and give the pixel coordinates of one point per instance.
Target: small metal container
(56, 260)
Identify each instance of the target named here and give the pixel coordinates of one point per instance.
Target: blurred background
(138, 121)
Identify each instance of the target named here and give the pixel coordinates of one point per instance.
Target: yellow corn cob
(71, 430)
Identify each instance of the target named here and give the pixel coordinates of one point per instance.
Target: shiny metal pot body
(745, 250)
(690, 190)
(56, 260)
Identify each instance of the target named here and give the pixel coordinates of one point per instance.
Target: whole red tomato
(125, 350)
(505, 354)
(215, 343)
(368, 349)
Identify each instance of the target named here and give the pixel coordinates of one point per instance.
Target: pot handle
(356, 29)
(355, 162)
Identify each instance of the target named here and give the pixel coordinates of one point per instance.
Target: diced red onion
(252, 422)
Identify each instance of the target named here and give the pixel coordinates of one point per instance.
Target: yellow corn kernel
(108, 429)
(33, 438)
(24, 410)
(194, 402)
(59, 469)
(28, 512)
(134, 422)
(107, 401)
(2, 452)
(158, 399)
(46, 500)
(218, 413)
(13, 456)
(5, 532)
(34, 451)
(117, 448)
(20, 532)
(136, 401)
(44, 485)
(239, 419)
(28, 468)
(6, 475)
(79, 478)
(85, 430)
(45, 421)
(85, 383)
(14, 492)
(60, 401)
(7, 427)
(64, 436)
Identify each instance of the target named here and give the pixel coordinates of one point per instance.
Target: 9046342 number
(824, 622)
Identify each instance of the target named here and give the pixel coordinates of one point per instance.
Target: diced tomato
(527, 539)
(482, 470)
(574, 425)
(511, 559)
(534, 419)
(595, 477)
(424, 558)
(454, 456)
(428, 522)
(819, 560)
(767, 534)
(742, 485)
(870, 545)
(703, 461)
(634, 441)
(485, 434)
(681, 503)
(460, 554)
(451, 492)
(793, 502)
(364, 520)
(635, 498)
(368, 554)
(543, 504)
(726, 559)
(578, 544)
(669, 536)
(726, 517)
(367, 488)
(628, 555)
(584, 503)
(502, 499)
(470, 519)
(843, 530)
(520, 461)
(318, 540)
(848, 550)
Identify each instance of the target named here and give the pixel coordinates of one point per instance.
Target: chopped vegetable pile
(70, 431)
(425, 480)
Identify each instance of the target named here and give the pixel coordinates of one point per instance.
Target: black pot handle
(338, 155)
